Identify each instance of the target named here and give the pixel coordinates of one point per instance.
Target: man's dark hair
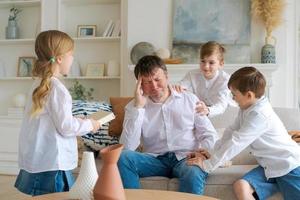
(147, 64)
(248, 79)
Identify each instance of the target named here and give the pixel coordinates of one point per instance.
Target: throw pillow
(100, 139)
(118, 108)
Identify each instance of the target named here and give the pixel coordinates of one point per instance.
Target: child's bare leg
(243, 190)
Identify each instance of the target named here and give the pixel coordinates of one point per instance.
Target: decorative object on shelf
(113, 68)
(141, 49)
(25, 66)
(95, 69)
(12, 29)
(109, 184)
(86, 30)
(163, 53)
(268, 51)
(173, 61)
(75, 69)
(270, 13)
(79, 92)
(86, 180)
(109, 27)
(19, 100)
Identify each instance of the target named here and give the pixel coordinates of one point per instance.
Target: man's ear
(250, 95)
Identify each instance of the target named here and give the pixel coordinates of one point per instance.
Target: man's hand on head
(139, 96)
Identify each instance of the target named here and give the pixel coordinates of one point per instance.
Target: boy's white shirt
(168, 127)
(48, 142)
(213, 93)
(261, 129)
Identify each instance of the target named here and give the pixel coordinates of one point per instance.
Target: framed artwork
(196, 22)
(86, 30)
(95, 69)
(25, 66)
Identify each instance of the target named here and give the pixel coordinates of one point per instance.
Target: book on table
(102, 116)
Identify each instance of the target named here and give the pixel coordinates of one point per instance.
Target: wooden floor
(8, 191)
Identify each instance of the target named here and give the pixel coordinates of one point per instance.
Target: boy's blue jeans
(133, 165)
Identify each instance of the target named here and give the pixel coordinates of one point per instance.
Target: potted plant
(79, 92)
(270, 13)
(12, 30)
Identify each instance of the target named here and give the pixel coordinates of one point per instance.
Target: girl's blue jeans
(134, 165)
(44, 182)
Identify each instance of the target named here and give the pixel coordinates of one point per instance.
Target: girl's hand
(178, 88)
(96, 125)
(201, 108)
(139, 97)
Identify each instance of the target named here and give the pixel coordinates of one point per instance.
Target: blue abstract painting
(225, 21)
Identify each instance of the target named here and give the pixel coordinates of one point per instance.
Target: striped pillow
(101, 139)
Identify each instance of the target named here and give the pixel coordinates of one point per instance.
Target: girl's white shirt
(48, 142)
(214, 93)
(261, 129)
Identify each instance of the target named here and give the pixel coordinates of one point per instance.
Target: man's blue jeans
(133, 165)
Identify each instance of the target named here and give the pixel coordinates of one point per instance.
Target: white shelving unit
(65, 15)
(37, 15)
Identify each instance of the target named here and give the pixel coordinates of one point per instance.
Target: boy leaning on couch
(259, 127)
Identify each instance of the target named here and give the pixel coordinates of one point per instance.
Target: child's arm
(219, 103)
(59, 108)
(231, 145)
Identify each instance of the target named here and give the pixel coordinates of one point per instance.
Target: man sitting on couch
(166, 123)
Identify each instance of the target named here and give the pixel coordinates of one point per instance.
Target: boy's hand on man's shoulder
(178, 88)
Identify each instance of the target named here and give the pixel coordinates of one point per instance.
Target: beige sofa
(219, 183)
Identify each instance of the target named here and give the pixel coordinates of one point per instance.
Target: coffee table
(132, 194)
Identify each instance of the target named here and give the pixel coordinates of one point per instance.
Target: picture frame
(95, 69)
(25, 66)
(86, 30)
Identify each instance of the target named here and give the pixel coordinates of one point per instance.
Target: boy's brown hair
(248, 79)
(212, 47)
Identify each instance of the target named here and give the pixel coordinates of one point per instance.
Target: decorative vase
(109, 184)
(113, 68)
(12, 30)
(268, 54)
(86, 180)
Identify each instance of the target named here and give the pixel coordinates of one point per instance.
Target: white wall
(151, 21)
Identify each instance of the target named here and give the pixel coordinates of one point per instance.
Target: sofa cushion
(118, 108)
(100, 139)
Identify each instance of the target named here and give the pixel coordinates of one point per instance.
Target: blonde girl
(47, 141)
(210, 82)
